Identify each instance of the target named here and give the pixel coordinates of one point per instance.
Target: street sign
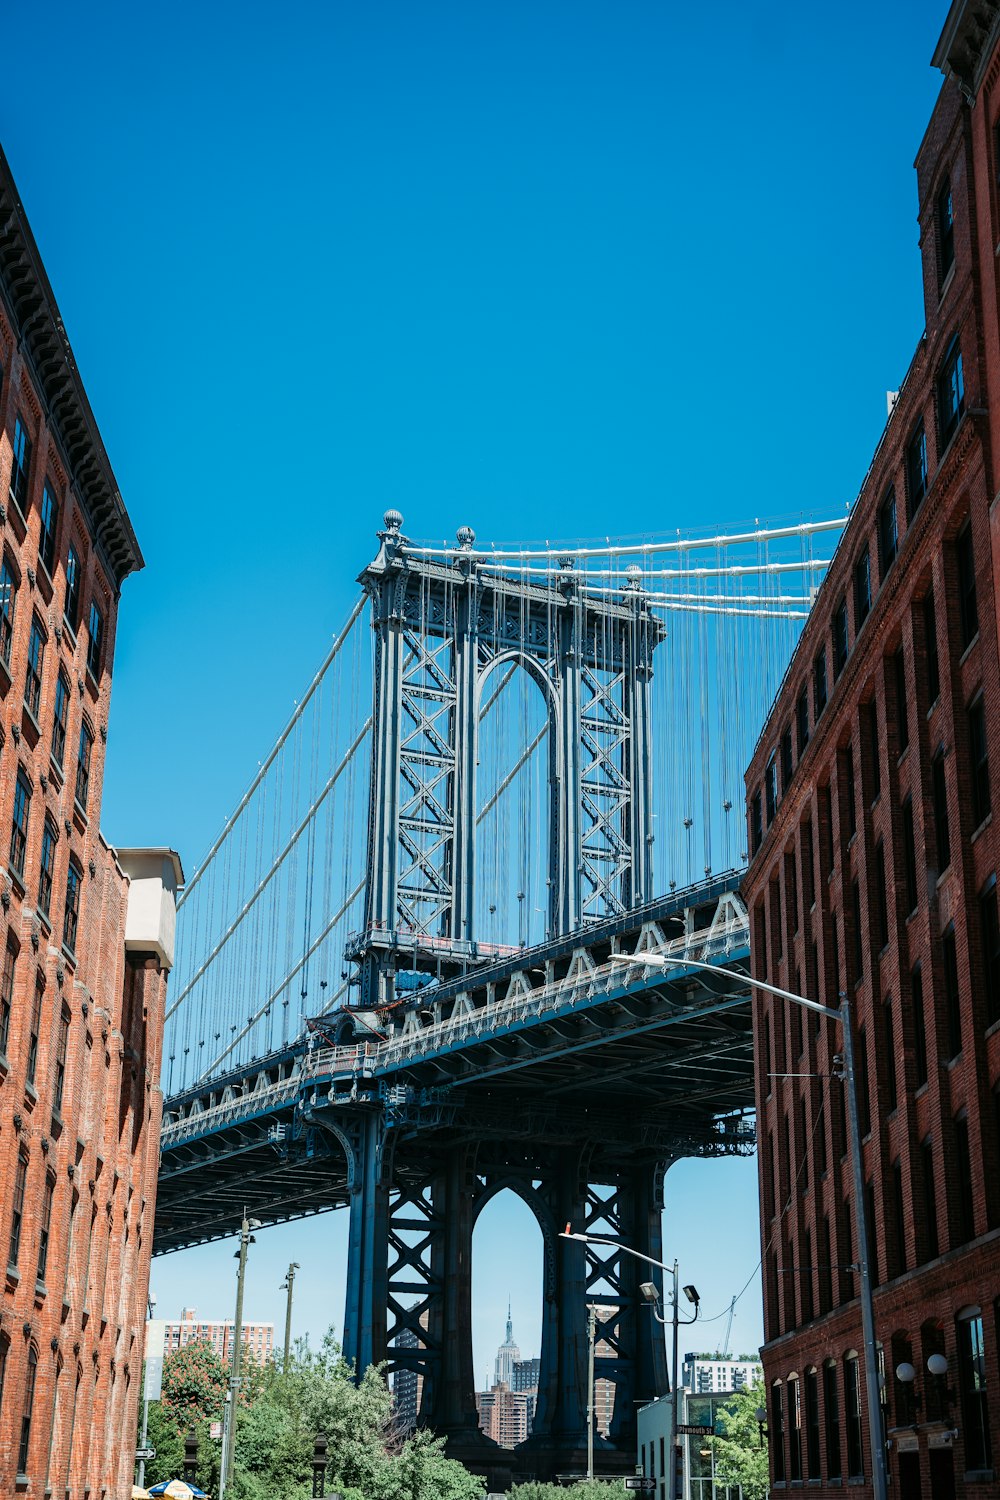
(697, 1429)
(145, 1455)
(648, 1486)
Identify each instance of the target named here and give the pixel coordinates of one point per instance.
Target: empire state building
(507, 1355)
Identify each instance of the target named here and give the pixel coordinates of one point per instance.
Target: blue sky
(550, 269)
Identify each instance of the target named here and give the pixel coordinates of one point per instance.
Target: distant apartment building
(258, 1338)
(503, 1414)
(407, 1383)
(704, 1374)
(524, 1381)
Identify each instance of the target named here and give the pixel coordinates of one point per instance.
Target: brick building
(258, 1338)
(86, 932)
(874, 860)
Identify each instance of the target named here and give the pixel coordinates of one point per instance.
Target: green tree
(739, 1456)
(595, 1489)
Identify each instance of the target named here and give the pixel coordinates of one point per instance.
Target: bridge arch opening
(507, 1308)
(516, 811)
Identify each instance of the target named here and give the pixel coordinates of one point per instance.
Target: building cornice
(42, 338)
(966, 44)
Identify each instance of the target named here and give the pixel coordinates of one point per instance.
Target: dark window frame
(944, 222)
(862, 588)
(20, 821)
(968, 608)
(887, 527)
(81, 791)
(950, 391)
(60, 718)
(22, 449)
(49, 512)
(47, 865)
(95, 640)
(74, 585)
(840, 640)
(916, 468)
(35, 668)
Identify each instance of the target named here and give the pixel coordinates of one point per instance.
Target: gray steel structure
(556, 1071)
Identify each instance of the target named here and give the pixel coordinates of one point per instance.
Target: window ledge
(943, 876)
(953, 1062)
(43, 578)
(899, 761)
(93, 685)
(30, 1092)
(13, 1277)
(991, 1030)
(983, 825)
(930, 711)
(17, 517)
(70, 634)
(55, 773)
(41, 1291)
(6, 680)
(43, 919)
(80, 815)
(979, 1476)
(68, 953)
(5, 1065)
(921, 1091)
(968, 650)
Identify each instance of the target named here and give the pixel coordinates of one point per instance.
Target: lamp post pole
(843, 1015)
(141, 1479)
(289, 1283)
(677, 1390)
(229, 1443)
(591, 1338)
(651, 1294)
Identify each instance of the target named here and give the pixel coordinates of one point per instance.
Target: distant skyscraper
(525, 1382)
(503, 1414)
(406, 1383)
(507, 1356)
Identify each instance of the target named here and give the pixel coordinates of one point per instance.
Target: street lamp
(150, 1304)
(649, 1293)
(761, 1416)
(229, 1432)
(843, 1015)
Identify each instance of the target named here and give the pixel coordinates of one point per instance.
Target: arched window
(794, 1429)
(71, 920)
(8, 598)
(83, 765)
(29, 1402)
(831, 1410)
(777, 1431)
(852, 1416)
(60, 717)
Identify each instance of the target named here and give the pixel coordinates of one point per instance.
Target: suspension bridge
(399, 986)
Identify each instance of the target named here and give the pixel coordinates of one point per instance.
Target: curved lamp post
(843, 1015)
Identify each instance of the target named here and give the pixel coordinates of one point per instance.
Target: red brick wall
(833, 943)
(84, 1323)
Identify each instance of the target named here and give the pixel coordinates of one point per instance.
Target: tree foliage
(740, 1458)
(595, 1489)
(280, 1414)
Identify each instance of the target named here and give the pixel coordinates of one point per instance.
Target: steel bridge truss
(441, 628)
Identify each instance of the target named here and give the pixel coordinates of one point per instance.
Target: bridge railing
(557, 994)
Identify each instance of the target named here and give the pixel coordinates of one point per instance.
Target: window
(29, 1402)
(812, 1424)
(50, 523)
(74, 880)
(850, 791)
(794, 1431)
(8, 598)
(46, 868)
(4, 1347)
(19, 827)
(59, 718)
(33, 675)
(802, 721)
(990, 928)
(972, 1385)
(939, 789)
(931, 651)
(20, 466)
(45, 1229)
(852, 1414)
(859, 942)
(7, 994)
(980, 762)
(864, 1093)
(909, 857)
(36, 1028)
(966, 1225)
(945, 215)
(916, 468)
(968, 613)
(952, 1001)
(930, 1197)
(771, 790)
(902, 715)
(62, 1048)
(71, 608)
(17, 1212)
(777, 1434)
(950, 394)
(786, 758)
(95, 644)
(819, 684)
(756, 823)
(888, 536)
(862, 589)
(83, 765)
(881, 901)
(890, 1053)
(831, 1406)
(840, 645)
(870, 724)
(899, 1211)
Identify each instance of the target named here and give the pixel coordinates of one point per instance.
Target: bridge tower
(442, 625)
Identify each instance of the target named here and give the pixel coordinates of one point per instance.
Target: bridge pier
(367, 1258)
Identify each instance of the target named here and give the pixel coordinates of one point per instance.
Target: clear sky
(556, 267)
